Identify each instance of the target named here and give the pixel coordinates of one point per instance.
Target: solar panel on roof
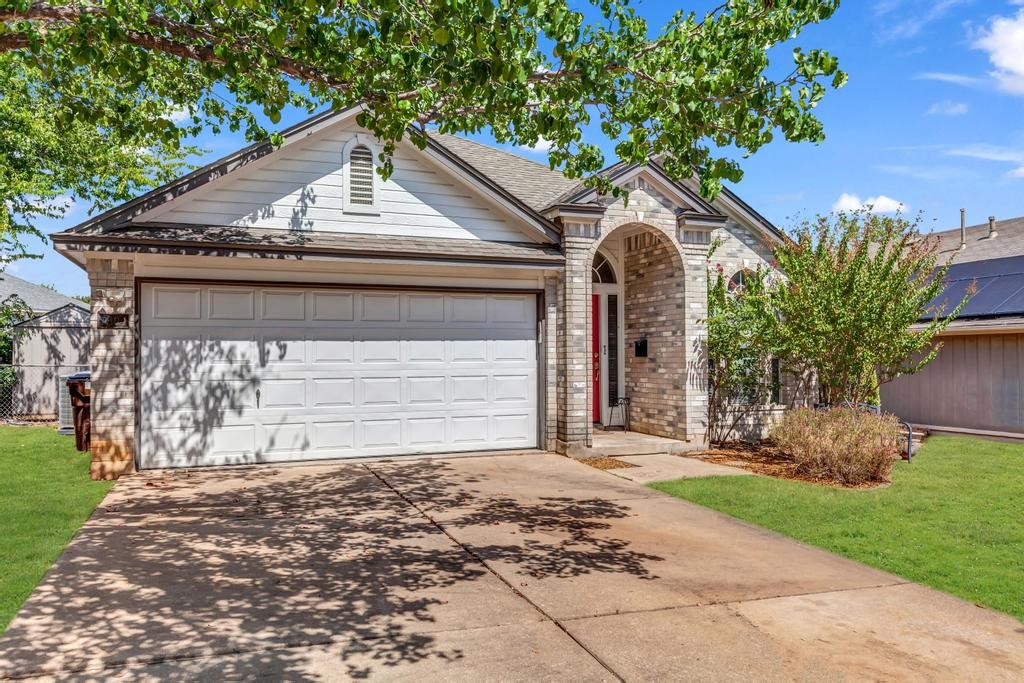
(992, 293)
(1000, 288)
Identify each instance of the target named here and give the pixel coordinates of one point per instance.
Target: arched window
(360, 177)
(601, 271)
(739, 281)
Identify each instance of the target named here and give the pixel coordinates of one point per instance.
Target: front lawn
(45, 496)
(954, 519)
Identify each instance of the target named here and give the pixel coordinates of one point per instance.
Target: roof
(235, 241)
(535, 184)
(69, 315)
(1009, 241)
(526, 187)
(39, 298)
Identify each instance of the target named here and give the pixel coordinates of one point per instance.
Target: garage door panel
(382, 433)
(231, 304)
(283, 393)
(425, 308)
(380, 391)
(283, 305)
(285, 437)
(363, 373)
(333, 392)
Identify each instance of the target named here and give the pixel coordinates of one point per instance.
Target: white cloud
(179, 115)
(878, 204)
(1003, 40)
(948, 108)
(955, 79)
(542, 146)
(993, 153)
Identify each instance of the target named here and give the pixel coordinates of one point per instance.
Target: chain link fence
(34, 393)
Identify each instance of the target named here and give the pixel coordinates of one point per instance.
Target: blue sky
(932, 118)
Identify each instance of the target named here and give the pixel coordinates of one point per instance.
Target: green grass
(954, 519)
(45, 496)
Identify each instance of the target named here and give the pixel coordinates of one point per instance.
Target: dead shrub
(845, 445)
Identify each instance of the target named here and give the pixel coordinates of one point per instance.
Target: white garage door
(251, 374)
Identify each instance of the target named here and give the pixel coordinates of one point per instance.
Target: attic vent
(360, 184)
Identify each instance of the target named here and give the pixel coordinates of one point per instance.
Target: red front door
(595, 316)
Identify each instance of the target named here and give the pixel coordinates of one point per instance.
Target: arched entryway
(638, 325)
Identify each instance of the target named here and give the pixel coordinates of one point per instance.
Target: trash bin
(79, 390)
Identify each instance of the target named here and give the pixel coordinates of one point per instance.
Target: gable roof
(69, 315)
(525, 187)
(39, 298)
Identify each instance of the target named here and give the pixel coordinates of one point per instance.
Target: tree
(48, 155)
(857, 303)
(742, 341)
(12, 310)
(526, 69)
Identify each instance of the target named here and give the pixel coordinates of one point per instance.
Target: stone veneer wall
(112, 404)
(655, 307)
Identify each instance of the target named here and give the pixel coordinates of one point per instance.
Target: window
(696, 237)
(739, 281)
(601, 271)
(360, 177)
(776, 382)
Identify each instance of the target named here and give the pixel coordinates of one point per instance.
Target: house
(975, 385)
(47, 348)
(39, 298)
(52, 343)
(289, 304)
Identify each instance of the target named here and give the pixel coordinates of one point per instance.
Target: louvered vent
(360, 174)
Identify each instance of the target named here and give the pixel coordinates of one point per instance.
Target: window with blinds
(360, 176)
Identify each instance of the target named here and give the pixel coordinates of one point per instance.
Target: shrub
(840, 444)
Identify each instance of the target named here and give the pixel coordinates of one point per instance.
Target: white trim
(367, 141)
(654, 177)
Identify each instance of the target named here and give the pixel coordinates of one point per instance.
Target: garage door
(252, 374)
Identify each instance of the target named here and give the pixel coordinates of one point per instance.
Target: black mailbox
(640, 348)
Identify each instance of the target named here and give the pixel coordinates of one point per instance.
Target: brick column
(112, 362)
(575, 426)
(695, 264)
(552, 323)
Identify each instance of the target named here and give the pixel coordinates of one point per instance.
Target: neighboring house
(976, 383)
(39, 298)
(46, 348)
(54, 342)
(289, 304)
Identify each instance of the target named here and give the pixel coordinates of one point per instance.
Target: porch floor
(620, 443)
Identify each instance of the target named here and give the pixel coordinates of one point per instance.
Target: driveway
(525, 567)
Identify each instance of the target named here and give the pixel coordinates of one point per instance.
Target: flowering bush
(845, 445)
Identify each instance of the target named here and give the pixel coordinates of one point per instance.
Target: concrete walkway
(529, 567)
(665, 467)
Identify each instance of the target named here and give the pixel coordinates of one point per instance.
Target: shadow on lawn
(263, 560)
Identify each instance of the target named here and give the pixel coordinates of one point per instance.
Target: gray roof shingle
(534, 184)
(39, 298)
(1009, 241)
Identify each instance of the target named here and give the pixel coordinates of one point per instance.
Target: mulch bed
(606, 463)
(769, 461)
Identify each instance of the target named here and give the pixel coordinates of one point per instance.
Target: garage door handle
(257, 398)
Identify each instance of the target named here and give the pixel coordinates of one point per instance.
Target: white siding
(300, 187)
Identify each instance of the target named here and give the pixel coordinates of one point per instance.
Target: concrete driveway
(526, 567)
